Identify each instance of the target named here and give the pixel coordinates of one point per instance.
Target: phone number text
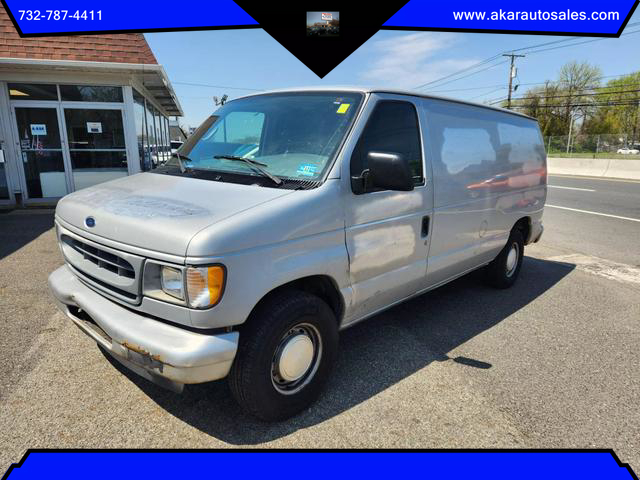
(56, 15)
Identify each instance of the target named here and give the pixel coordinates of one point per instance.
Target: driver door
(387, 232)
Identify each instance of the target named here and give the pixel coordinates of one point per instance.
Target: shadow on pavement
(19, 227)
(374, 354)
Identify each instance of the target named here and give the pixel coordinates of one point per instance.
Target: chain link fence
(593, 146)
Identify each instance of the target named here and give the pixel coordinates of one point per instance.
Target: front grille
(104, 268)
(107, 286)
(101, 258)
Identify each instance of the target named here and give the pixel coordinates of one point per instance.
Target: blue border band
(500, 16)
(445, 464)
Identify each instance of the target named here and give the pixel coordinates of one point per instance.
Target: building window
(32, 91)
(159, 140)
(151, 137)
(159, 136)
(96, 145)
(140, 117)
(90, 93)
(94, 128)
(167, 143)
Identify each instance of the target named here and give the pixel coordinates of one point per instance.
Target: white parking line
(594, 213)
(572, 188)
(602, 267)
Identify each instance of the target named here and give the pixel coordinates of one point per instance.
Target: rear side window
(480, 152)
(392, 127)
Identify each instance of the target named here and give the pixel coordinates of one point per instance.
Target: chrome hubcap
(512, 259)
(296, 358)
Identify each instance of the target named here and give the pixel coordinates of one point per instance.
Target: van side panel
(489, 170)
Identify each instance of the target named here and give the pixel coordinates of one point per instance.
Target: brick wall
(120, 48)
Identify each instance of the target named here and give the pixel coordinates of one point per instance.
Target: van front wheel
(286, 350)
(503, 271)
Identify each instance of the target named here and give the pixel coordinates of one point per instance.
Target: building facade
(78, 110)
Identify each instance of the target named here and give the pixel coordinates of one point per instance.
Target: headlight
(194, 287)
(171, 282)
(204, 285)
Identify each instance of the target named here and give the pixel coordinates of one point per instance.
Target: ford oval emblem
(90, 222)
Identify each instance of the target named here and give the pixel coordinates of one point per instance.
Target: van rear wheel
(286, 350)
(503, 271)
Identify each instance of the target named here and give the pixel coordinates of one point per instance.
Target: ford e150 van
(287, 217)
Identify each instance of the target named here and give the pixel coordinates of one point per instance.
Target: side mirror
(389, 171)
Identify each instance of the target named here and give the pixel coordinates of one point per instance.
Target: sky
(239, 62)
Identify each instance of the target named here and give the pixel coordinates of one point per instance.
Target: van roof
(342, 88)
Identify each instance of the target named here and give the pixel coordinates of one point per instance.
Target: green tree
(567, 99)
(577, 81)
(620, 108)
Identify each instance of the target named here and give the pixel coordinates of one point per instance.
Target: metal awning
(152, 76)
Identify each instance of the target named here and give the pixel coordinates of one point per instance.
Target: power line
(217, 86)
(534, 83)
(490, 59)
(596, 87)
(474, 73)
(570, 39)
(606, 104)
(530, 51)
(483, 62)
(578, 95)
(493, 101)
(488, 93)
(486, 87)
(578, 43)
(593, 87)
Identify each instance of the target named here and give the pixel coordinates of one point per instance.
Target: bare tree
(576, 81)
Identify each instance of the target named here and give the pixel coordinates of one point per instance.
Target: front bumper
(160, 352)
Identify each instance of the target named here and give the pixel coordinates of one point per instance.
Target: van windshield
(293, 136)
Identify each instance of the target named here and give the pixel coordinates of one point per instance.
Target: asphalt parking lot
(552, 362)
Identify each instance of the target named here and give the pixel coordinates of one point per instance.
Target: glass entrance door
(65, 148)
(96, 145)
(41, 151)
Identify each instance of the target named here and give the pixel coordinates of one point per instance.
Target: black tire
(254, 379)
(499, 273)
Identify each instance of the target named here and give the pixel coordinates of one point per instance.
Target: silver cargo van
(287, 217)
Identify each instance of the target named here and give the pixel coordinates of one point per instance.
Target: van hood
(159, 212)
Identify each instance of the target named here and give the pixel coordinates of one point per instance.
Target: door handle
(425, 226)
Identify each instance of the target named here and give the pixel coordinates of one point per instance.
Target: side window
(392, 127)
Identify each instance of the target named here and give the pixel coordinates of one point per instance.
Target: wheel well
(524, 225)
(321, 286)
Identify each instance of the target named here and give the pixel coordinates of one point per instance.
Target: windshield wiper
(257, 166)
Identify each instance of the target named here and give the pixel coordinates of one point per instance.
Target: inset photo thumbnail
(323, 24)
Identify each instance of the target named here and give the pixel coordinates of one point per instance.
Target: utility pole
(512, 73)
(569, 137)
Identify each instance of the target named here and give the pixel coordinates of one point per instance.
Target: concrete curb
(595, 167)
